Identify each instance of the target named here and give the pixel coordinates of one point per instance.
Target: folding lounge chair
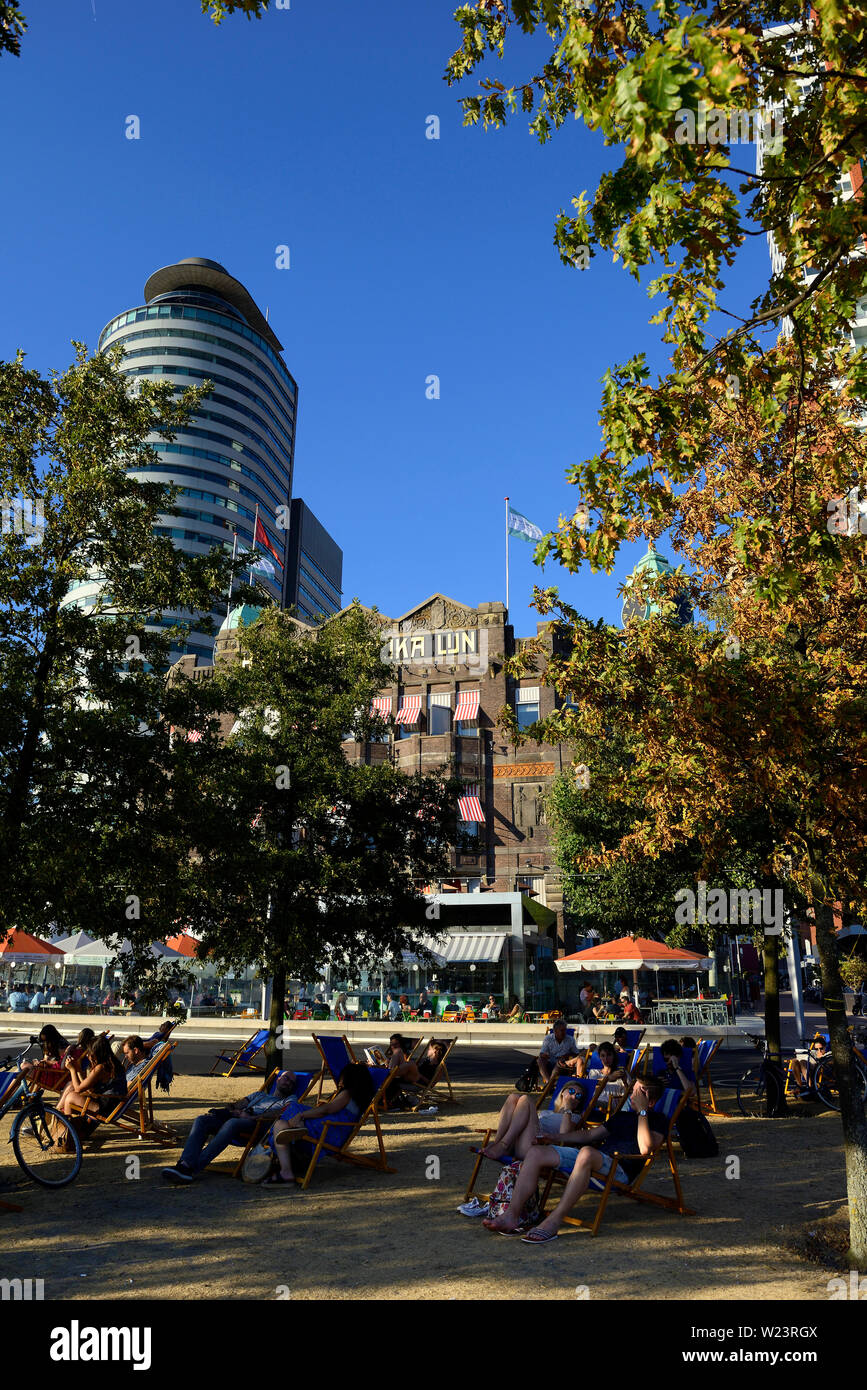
(338, 1136)
(591, 1089)
(134, 1112)
(244, 1055)
(634, 1036)
(336, 1053)
(306, 1081)
(705, 1053)
(670, 1104)
(442, 1072)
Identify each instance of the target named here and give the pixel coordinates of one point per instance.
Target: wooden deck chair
(634, 1036)
(442, 1072)
(705, 1052)
(591, 1091)
(338, 1136)
(670, 1103)
(336, 1053)
(134, 1112)
(243, 1057)
(306, 1081)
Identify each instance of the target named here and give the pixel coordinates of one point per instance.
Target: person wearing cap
(226, 1125)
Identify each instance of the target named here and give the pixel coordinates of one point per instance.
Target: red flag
(260, 537)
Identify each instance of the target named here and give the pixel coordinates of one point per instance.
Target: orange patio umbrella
(20, 948)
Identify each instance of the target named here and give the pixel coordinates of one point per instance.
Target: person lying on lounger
(300, 1125)
(520, 1123)
(585, 1154)
(229, 1124)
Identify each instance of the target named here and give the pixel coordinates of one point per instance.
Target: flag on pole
(520, 526)
(262, 566)
(260, 537)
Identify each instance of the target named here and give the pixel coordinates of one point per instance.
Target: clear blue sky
(409, 257)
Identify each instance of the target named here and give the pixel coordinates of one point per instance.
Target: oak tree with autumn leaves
(737, 451)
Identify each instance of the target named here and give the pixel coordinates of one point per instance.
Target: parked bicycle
(761, 1089)
(43, 1141)
(825, 1081)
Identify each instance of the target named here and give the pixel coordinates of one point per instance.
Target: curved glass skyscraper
(199, 323)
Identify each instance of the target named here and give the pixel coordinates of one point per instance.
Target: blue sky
(409, 258)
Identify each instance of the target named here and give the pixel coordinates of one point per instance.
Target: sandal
(539, 1237)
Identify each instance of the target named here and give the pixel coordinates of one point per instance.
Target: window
(439, 715)
(527, 706)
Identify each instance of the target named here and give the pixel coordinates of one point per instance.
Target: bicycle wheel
(826, 1086)
(52, 1159)
(751, 1092)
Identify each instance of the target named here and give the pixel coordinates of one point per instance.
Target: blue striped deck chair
(638, 1166)
(658, 1067)
(306, 1081)
(244, 1055)
(591, 1091)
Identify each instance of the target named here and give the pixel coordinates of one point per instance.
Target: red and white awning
(467, 708)
(381, 707)
(410, 709)
(470, 808)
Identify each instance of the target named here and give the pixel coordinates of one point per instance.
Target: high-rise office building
(235, 456)
(314, 567)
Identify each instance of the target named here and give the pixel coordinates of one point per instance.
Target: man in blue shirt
(637, 1129)
(393, 1011)
(19, 1002)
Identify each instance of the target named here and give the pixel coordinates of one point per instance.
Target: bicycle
(825, 1082)
(50, 1159)
(761, 1089)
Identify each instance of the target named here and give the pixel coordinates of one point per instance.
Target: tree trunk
(771, 960)
(852, 1112)
(775, 1099)
(274, 1045)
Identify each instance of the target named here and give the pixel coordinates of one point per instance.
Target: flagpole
(507, 558)
(232, 569)
(255, 529)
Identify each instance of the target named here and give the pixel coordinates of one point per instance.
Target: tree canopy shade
(88, 835)
(739, 452)
(300, 857)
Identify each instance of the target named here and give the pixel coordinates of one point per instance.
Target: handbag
(501, 1197)
(257, 1164)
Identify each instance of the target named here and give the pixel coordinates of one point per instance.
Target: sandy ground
(358, 1234)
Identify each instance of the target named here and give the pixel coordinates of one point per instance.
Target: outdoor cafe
(648, 969)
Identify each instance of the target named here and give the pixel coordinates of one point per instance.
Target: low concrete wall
(526, 1036)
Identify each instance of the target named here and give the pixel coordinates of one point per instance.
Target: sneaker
(429, 1110)
(180, 1173)
(473, 1208)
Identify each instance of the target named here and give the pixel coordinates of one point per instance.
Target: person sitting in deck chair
(674, 1077)
(300, 1124)
(520, 1123)
(609, 1071)
(229, 1124)
(585, 1154)
(559, 1052)
(104, 1078)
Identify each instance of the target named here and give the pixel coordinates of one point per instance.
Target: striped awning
(467, 708)
(483, 947)
(410, 709)
(470, 808)
(381, 707)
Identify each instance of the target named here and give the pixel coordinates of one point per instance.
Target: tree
(12, 26)
(89, 837)
(299, 856)
(741, 449)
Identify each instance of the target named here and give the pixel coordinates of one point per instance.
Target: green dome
(242, 616)
(653, 561)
